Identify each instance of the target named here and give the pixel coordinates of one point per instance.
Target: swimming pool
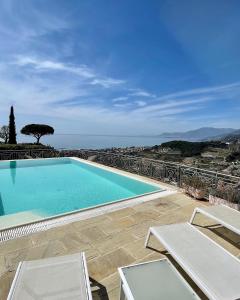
(50, 187)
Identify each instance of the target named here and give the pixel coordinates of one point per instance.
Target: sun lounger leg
(122, 294)
(148, 237)
(193, 215)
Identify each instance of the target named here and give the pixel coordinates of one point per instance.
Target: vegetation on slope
(23, 146)
(192, 148)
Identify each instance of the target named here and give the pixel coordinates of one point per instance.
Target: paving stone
(108, 264)
(165, 205)
(114, 242)
(36, 252)
(91, 253)
(93, 234)
(142, 216)
(111, 282)
(40, 238)
(137, 249)
(91, 222)
(12, 259)
(5, 284)
(55, 248)
(121, 213)
(149, 207)
(2, 265)
(73, 241)
(179, 199)
(154, 255)
(140, 230)
(114, 294)
(13, 245)
(117, 225)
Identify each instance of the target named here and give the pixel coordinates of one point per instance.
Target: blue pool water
(56, 186)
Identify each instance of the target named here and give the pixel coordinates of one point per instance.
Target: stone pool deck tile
(3, 268)
(121, 213)
(137, 249)
(93, 233)
(114, 241)
(72, 241)
(107, 264)
(6, 281)
(113, 227)
(143, 216)
(110, 241)
(95, 221)
(12, 245)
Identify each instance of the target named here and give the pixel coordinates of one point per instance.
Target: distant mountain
(198, 134)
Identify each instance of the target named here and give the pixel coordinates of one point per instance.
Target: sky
(120, 67)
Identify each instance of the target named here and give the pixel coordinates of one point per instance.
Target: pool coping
(12, 232)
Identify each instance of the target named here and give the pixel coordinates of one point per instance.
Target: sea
(79, 141)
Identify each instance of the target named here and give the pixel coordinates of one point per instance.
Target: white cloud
(29, 88)
(141, 93)
(36, 95)
(171, 104)
(47, 65)
(21, 20)
(119, 99)
(107, 82)
(229, 89)
(141, 103)
(122, 105)
(82, 71)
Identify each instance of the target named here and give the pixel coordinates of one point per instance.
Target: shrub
(23, 146)
(192, 148)
(227, 192)
(195, 182)
(234, 156)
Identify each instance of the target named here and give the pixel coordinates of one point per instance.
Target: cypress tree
(12, 128)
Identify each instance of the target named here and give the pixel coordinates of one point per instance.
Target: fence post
(164, 171)
(179, 183)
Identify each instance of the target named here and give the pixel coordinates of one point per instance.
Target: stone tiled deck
(109, 241)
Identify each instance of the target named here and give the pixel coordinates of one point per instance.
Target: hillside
(232, 136)
(198, 134)
(192, 148)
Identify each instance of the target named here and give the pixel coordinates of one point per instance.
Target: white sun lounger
(211, 267)
(224, 215)
(154, 280)
(62, 277)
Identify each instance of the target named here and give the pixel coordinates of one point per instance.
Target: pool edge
(11, 232)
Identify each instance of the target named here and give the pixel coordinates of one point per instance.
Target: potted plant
(225, 194)
(194, 186)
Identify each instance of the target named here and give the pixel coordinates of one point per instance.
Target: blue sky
(120, 67)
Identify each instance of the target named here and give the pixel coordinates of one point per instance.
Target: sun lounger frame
(181, 262)
(87, 282)
(203, 210)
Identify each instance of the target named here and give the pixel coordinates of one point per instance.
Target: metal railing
(28, 153)
(169, 172)
(157, 169)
